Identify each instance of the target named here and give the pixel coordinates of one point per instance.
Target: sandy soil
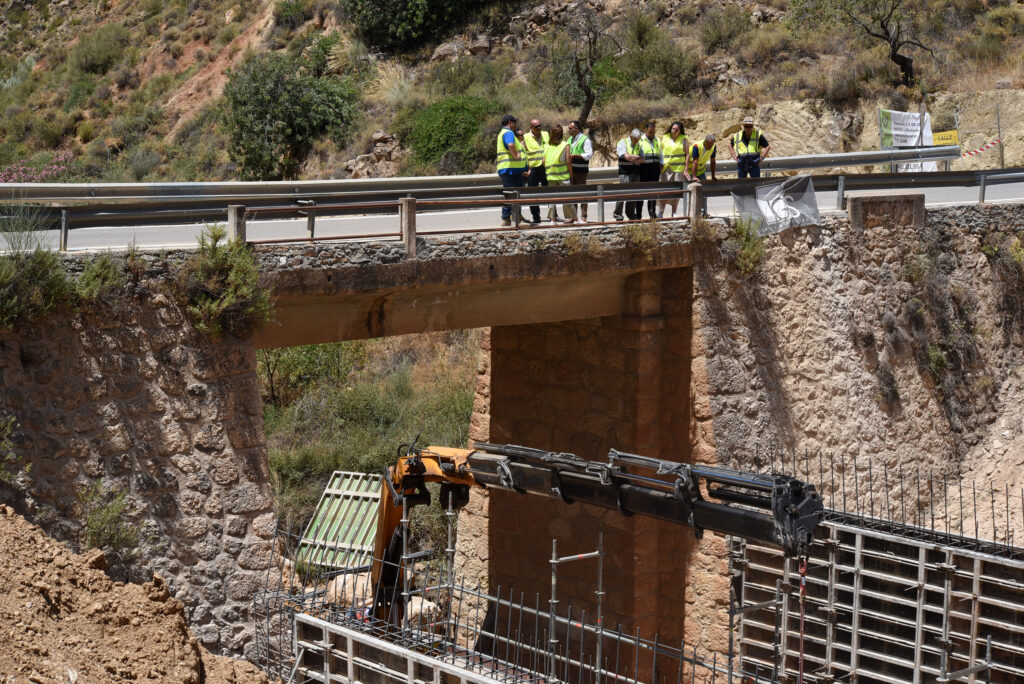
(62, 619)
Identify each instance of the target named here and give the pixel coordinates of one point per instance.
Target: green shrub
(100, 50)
(641, 238)
(762, 47)
(220, 287)
(100, 277)
(32, 281)
(747, 244)
(451, 127)
(51, 126)
(86, 130)
(402, 25)
(274, 112)
(291, 14)
(105, 525)
(143, 161)
(721, 25)
(651, 52)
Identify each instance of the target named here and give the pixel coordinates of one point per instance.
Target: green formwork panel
(340, 534)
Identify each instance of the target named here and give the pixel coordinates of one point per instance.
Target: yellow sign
(946, 138)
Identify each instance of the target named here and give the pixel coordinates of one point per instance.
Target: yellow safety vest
(555, 166)
(630, 149)
(576, 149)
(535, 148)
(651, 149)
(703, 156)
(675, 152)
(752, 146)
(505, 160)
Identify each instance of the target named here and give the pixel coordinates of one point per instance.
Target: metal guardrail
(249, 193)
(73, 206)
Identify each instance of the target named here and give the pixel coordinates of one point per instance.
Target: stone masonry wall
(588, 386)
(829, 347)
(130, 396)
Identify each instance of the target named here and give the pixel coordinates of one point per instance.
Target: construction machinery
(768, 508)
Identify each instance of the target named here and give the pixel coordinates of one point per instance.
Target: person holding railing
(748, 148)
(630, 159)
(701, 156)
(558, 166)
(650, 170)
(674, 151)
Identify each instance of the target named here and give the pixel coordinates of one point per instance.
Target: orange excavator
(774, 509)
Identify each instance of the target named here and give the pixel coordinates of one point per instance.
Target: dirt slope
(62, 619)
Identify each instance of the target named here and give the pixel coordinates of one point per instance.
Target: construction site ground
(62, 619)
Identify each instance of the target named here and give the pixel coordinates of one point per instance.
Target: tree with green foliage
(894, 22)
(276, 108)
(401, 25)
(447, 132)
(584, 55)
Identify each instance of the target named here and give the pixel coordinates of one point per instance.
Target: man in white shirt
(582, 151)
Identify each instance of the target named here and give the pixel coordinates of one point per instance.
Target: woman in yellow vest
(558, 167)
(674, 150)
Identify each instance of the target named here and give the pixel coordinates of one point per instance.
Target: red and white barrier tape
(986, 146)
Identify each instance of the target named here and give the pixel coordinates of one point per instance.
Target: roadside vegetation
(91, 91)
(350, 405)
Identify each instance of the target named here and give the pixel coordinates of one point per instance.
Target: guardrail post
(236, 222)
(981, 188)
(695, 194)
(600, 204)
(310, 216)
(516, 210)
(407, 218)
(841, 192)
(64, 230)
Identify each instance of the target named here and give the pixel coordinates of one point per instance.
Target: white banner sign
(906, 129)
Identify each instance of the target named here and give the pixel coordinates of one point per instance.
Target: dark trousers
(748, 165)
(633, 208)
(580, 178)
(510, 180)
(651, 173)
(538, 177)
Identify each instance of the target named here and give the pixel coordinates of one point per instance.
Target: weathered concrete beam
(330, 293)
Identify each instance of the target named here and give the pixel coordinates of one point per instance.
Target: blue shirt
(508, 139)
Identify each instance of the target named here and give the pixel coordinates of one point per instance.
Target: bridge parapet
(330, 292)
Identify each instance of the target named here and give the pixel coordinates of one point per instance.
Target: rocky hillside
(65, 620)
(122, 91)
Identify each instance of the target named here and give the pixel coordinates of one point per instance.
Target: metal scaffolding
(315, 623)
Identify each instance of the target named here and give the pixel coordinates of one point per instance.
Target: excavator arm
(774, 509)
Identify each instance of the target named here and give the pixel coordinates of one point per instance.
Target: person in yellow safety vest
(650, 170)
(630, 160)
(673, 151)
(701, 156)
(511, 162)
(534, 141)
(559, 171)
(582, 150)
(748, 147)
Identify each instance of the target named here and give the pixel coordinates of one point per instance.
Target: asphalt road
(386, 226)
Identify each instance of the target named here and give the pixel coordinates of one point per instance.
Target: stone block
(245, 432)
(192, 528)
(265, 525)
(242, 586)
(254, 464)
(248, 498)
(224, 472)
(255, 556)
